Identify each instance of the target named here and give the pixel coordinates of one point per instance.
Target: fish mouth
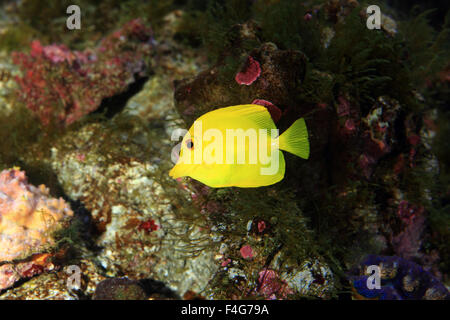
(173, 172)
(176, 172)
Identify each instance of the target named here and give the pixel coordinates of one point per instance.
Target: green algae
(16, 37)
(19, 132)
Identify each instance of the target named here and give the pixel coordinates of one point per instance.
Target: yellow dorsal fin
(259, 115)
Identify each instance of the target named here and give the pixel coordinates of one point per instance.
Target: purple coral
(401, 279)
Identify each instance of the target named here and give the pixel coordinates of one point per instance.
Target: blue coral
(401, 279)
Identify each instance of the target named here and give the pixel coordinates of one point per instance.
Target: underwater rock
(46, 286)
(54, 285)
(10, 273)
(278, 277)
(93, 74)
(282, 73)
(144, 289)
(401, 279)
(28, 217)
(119, 289)
(311, 278)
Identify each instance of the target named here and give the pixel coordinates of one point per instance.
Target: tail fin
(295, 139)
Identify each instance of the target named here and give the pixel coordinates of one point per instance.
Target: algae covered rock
(119, 289)
(56, 285)
(95, 73)
(274, 75)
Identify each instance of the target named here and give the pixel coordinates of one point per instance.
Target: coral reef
(92, 115)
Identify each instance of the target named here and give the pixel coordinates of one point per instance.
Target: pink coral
(58, 53)
(249, 72)
(247, 252)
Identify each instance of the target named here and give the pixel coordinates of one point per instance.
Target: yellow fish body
(238, 146)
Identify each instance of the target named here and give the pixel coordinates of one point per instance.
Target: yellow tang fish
(238, 146)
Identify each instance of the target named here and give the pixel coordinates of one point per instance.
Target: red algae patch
(249, 72)
(274, 111)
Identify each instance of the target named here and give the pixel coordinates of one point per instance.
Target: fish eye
(189, 144)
